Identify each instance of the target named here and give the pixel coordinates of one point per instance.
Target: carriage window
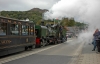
(24, 30)
(3, 28)
(14, 29)
(31, 33)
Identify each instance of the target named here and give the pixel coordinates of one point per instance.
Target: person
(95, 37)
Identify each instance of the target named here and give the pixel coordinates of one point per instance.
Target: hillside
(38, 10)
(35, 15)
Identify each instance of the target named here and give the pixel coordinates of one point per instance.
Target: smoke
(82, 10)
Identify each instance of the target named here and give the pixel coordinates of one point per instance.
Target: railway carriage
(16, 35)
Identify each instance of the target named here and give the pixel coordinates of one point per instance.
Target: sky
(24, 5)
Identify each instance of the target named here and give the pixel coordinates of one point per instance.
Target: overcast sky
(24, 5)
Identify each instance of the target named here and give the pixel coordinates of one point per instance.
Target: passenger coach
(15, 35)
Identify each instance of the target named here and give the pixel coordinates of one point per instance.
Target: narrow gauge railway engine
(41, 35)
(16, 35)
(52, 39)
(58, 35)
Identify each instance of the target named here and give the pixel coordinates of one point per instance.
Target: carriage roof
(16, 19)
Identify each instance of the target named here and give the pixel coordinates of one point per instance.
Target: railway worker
(95, 37)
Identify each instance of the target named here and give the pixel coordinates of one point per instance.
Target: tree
(71, 22)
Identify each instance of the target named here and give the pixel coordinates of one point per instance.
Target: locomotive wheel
(55, 42)
(31, 47)
(26, 48)
(46, 43)
(43, 43)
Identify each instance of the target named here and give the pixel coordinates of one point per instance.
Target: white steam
(82, 10)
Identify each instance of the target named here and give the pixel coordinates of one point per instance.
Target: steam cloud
(82, 10)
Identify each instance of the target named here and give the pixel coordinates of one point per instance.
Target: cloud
(23, 5)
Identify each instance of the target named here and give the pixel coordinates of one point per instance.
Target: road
(64, 53)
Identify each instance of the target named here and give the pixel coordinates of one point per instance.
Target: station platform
(88, 56)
